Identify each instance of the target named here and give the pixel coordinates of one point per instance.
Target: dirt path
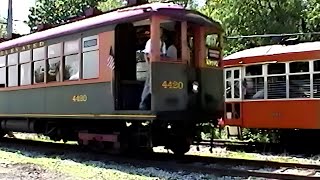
(28, 171)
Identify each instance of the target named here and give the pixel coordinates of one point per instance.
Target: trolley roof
(301, 51)
(114, 17)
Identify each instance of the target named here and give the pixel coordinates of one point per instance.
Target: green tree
(3, 26)
(185, 3)
(110, 4)
(247, 17)
(311, 21)
(239, 17)
(58, 11)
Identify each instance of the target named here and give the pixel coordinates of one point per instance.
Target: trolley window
(316, 65)
(298, 67)
(253, 70)
(277, 68)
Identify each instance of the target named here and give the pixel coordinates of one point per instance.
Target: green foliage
(252, 17)
(191, 4)
(252, 135)
(109, 5)
(311, 15)
(208, 131)
(238, 17)
(58, 11)
(256, 135)
(3, 26)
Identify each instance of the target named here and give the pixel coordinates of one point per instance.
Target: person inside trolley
(145, 103)
(172, 53)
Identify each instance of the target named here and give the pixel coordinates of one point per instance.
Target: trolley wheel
(10, 134)
(3, 133)
(180, 146)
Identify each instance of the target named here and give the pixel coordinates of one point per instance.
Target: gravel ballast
(28, 171)
(21, 162)
(37, 167)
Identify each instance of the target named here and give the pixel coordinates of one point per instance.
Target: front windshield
(213, 50)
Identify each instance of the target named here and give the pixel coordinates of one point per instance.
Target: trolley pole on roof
(9, 20)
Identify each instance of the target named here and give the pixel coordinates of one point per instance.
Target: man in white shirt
(147, 49)
(146, 94)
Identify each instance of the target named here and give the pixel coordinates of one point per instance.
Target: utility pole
(9, 20)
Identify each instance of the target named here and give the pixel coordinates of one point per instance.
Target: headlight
(195, 87)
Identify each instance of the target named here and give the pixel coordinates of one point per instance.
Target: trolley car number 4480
(79, 98)
(172, 84)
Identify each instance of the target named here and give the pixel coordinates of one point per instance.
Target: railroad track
(232, 167)
(170, 162)
(260, 147)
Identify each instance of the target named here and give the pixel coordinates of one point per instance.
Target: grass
(88, 170)
(42, 138)
(81, 170)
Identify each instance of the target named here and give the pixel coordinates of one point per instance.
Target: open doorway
(130, 67)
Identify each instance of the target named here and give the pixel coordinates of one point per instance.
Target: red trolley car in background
(274, 87)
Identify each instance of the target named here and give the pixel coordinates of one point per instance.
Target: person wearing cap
(147, 49)
(146, 93)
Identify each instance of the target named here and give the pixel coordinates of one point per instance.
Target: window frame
(40, 60)
(85, 50)
(59, 55)
(16, 65)
(44, 58)
(77, 53)
(6, 70)
(262, 75)
(310, 68)
(287, 74)
(30, 62)
(232, 81)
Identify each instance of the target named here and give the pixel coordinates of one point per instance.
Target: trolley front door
(233, 96)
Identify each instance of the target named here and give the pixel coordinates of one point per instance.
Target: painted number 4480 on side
(79, 98)
(172, 84)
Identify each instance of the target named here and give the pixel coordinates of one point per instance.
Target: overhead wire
(271, 35)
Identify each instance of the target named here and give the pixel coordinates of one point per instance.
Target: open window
(174, 41)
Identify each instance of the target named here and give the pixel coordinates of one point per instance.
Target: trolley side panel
(169, 86)
(212, 90)
(72, 99)
(300, 114)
